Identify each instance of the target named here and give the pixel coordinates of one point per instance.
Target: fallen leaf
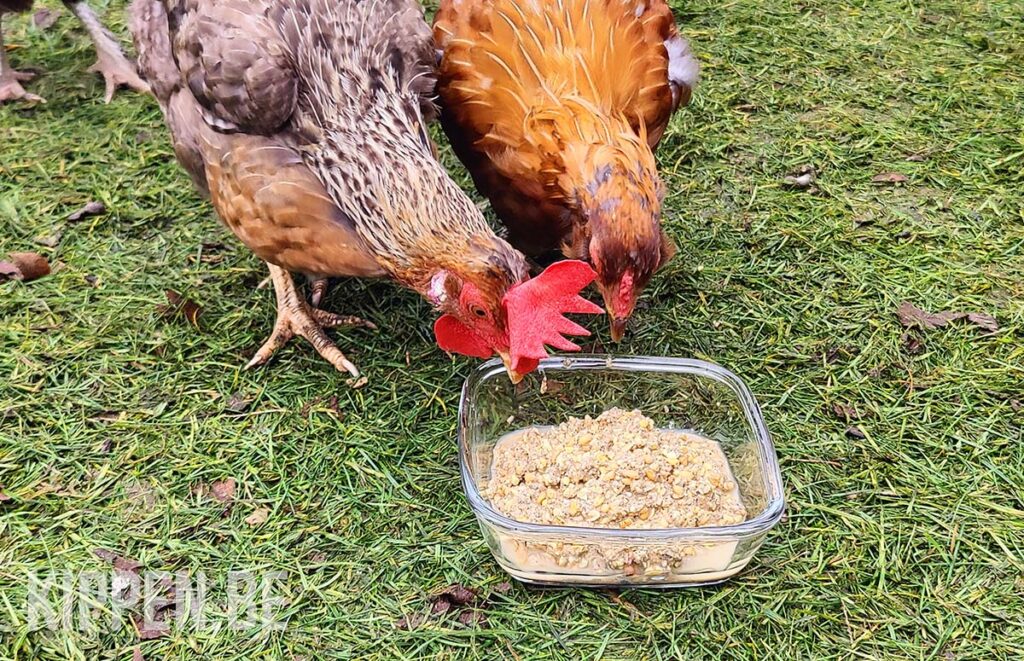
(550, 386)
(223, 490)
(441, 606)
(237, 404)
(889, 178)
(469, 618)
(984, 321)
(410, 622)
(913, 344)
(356, 384)
(912, 316)
(456, 593)
(179, 305)
(917, 158)
(503, 587)
(45, 18)
(137, 654)
(25, 266)
(855, 432)
(119, 562)
(259, 517)
(844, 412)
(90, 209)
(48, 240)
(150, 630)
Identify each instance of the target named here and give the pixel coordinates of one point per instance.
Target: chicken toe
(111, 63)
(296, 317)
(11, 90)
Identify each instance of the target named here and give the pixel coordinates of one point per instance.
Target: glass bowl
(687, 395)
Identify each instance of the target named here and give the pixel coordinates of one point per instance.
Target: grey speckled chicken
(305, 122)
(110, 61)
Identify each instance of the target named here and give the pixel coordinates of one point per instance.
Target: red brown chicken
(555, 107)
(305, 121)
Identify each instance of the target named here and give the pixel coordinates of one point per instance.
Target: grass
(906, 543)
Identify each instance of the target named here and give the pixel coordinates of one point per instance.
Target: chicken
(110, 61)
(305, 121)
(555, 107)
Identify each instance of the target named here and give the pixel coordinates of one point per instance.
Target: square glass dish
(678, 394)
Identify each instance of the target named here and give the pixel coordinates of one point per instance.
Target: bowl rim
(763, 522)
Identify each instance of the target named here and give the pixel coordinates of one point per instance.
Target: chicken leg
(296, 317)
(111, 63)
(10, 80)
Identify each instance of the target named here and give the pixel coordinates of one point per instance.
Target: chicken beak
(513, 375)
(618, 329)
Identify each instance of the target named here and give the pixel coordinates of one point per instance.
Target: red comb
(535, 311)
(454, 336)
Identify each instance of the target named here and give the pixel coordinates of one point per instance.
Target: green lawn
(908, 542)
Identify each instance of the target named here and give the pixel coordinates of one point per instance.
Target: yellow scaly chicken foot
(296, 317)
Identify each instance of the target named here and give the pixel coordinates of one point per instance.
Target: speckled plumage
(325, 103)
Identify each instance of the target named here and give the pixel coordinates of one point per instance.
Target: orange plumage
(555, 107)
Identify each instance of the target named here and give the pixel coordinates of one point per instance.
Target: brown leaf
(26, 266)
(45, 18)
(179, 305)
(913, 344)
(469, 618)
(119, 562)
(150, 630)
(137, 654)
(441, 606)
(223, 490)
(984, 321)
(912, 316)
(237, 403)
(456, 593)
(410, 622)
(90, 209)
(889, 178)
(844, 412)
(258, 518)
(48, 240)
(855, 432)
(918, 157)
(503, 587)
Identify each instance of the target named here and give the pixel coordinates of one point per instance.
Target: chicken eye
(478, 311)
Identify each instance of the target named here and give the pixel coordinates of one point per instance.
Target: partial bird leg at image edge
(111, 63)
(296, 317)
(10, 80)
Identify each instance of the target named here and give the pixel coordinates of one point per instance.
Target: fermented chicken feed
(614, 471)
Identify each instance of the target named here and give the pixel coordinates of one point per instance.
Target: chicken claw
(11, 89)
(296, 317)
